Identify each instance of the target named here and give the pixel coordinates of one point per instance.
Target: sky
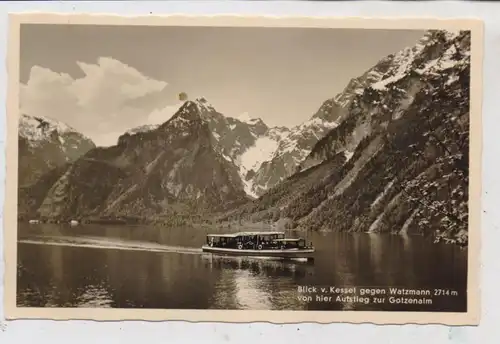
(104, 80)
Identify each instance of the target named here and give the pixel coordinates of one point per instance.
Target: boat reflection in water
(261, 265)
(260, 244)
(257, 283)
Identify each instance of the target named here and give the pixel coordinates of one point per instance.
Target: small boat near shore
(261, 244)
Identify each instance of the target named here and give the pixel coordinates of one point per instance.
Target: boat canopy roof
(240, 234)
(290, 239)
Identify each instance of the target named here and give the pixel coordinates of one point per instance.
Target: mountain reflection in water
(147, 267)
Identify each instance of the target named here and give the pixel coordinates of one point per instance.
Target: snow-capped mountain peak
(296, 146)
(245, 142)
(203, 105)
(37, 130)
(45, 143)
(164, 115)
(438, 55)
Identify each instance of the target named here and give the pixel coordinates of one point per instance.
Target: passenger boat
(262, 244)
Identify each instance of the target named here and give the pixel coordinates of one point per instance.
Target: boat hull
(286, 253)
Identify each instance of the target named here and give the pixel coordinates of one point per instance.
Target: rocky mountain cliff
(397, 161)
(45, 144)
(176, 168)
(245, 142)
(296, 146)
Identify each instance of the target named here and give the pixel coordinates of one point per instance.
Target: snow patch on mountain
(348, 155)
(403, 62)
(442, 63)
(261, 151)
(248, 186)
(315, 122)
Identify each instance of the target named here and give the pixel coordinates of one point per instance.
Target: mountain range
(389, 153)
(398, 160)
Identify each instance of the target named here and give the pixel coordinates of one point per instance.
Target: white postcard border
(471, 317)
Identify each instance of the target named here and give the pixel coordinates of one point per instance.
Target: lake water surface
(148, 267)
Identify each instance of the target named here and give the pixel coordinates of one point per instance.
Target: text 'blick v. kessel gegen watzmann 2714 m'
(372, 295)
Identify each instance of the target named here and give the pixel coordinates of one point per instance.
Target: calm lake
(148, 267)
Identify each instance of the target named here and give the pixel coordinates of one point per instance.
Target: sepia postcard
(243, 169)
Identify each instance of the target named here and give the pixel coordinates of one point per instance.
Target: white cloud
(100, 100)
(107, 136)
(111, 82)
(47, 93)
